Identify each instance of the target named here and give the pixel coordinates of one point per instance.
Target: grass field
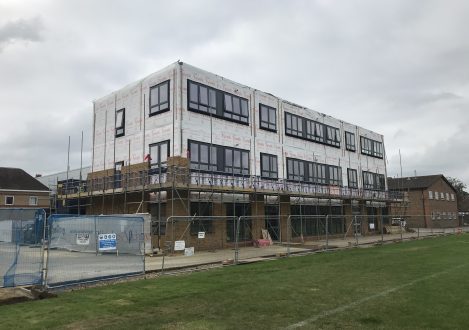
(419, 284)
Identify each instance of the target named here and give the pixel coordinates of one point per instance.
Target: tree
(460, 187)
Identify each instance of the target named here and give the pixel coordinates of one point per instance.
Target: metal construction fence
(196, 240)
(21, 246)
(88, 248)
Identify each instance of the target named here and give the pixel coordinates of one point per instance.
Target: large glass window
(373, 181)
(311, 130)
(215, 158)
(371, 147)
(268, 117)
(350, 141)
(120, 123)
(159, 153)
(159, 98)
(269, 166)
(303, 171)
(352, 178)
(218, 103)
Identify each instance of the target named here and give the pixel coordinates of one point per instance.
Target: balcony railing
(151, 180)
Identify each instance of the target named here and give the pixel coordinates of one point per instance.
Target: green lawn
(419, 284)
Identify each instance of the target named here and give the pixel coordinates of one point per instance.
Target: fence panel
(195, 240)
(89, 248)
(261, 236)
(21, 251)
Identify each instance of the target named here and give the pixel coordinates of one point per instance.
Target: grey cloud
(21, 30)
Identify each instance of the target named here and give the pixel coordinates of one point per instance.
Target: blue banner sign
(107, 242)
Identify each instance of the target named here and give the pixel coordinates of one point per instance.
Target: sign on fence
(179, 245)
(83, 239)
(107, 242)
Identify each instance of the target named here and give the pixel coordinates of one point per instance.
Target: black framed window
(9, 200)
(198, 223)
(159, 98)
(269, 168)
(333, 136)
(159, 153)
(352, 178)
(371, 147)
(267, 117)
(350, 141)
(215, 158)
(335, 175)
(202, 98)
(319, 175)
(311, 130)
(295, 170)
(293, 125)
(220, 104)
(373, 181)
(303, 171)
(120, 123)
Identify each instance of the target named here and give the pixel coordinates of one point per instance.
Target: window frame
(159, 104)
(221, 165)
(220, 108)
(349, 138)
(36, 201)
(203, 221)
(304, 171)
(12, 199)
(311, 130)
(272, 159)
(119, 130)
(378, 181)
(266, 124)
(371, 147)
(350, 173)
(158, 165)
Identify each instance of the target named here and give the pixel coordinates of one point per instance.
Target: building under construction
(186, 142)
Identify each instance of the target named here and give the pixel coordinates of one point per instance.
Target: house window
(218, 103)
(437, 195)
(293, 125)
(352, 178)
(269, 166)
(442, 196)
(295, 170)
(118, 174)
(373, 181)
(430, 194)
(159, 98)
(335, 175)
(120, 123)
(200, 210)
(33, 200)
(371, 147)
(159, 153)
(333, 136)
(303, 171)
(9, 200)
(447, 196)
(215, 158)
(452, 197)
(350, 141)
(268, 117)
(202, 98)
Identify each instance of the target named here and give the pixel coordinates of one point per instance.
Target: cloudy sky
(400, 68)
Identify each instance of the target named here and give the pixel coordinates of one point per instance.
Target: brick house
(432, 201)
(18, 189)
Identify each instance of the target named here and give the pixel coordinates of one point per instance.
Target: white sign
(372, 226)
(107, 242)
(189, 252)
(179, 245)
(83, 239)
(201, 234)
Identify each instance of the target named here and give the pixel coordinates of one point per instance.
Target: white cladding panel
(186, 125)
